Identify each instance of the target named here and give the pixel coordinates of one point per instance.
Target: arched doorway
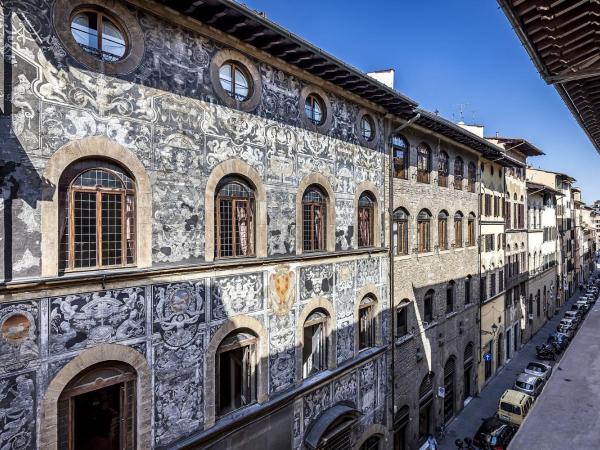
(449, 371)
(401, 421)
(499, 351)
(97, 409)
(425, 407)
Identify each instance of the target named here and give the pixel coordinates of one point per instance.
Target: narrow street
(469, 420)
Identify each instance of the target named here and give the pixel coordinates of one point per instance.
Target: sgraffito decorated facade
(171, 308)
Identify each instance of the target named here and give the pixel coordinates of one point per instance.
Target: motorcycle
(545, 352)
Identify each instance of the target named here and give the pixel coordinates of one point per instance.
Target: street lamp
(493, 332)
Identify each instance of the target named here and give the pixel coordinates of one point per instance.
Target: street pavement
(485, 405)
(566, 414)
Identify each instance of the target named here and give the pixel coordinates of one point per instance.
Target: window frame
(241, 68)
(101, 14)
(424, 228)
(366, 323)
(400, 230)
(100, 192)
(401, 173)
(472, 176)
(369, 210)
(423, 163)
(251, 208)
(428, 306)
(310, 101)
(443, 169)
(443, 230)
(312, 205)
(459, 173)
(323, 354)
(471, 234)
(458, 230)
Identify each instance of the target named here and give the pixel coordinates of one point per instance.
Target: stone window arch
(443, 230)
(318, 181)
(443, 169)
(424, 231)
(78, 154)
(235, 169)
(459, 173)
(97, 215)
(400, 230)
(367, 215)
(119, 356)
(423, 163)
(249, 328)
(366, 316)
(458, 229)
(326, 311)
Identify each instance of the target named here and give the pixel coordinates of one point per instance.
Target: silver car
(539, 369)
(529, 384)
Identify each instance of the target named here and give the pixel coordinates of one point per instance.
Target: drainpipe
(390, 209)
(479, 200)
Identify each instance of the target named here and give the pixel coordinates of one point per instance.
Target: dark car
(559, 340)
(494, 434)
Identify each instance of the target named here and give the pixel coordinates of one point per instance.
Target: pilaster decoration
(235, 167)
(61, 17)
(85, 359)
(322, 182)
(98, 147)
(262, 358)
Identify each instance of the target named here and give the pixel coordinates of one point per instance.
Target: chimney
(475, 129)
(384, 76)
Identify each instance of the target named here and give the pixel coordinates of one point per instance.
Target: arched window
(366, 217)
(424, 231)
(471, 230)
(458, 230)
(314, 214)
(402, 318)
(234, 212)
(449, 383)
(99, 406)
(443, 230)
(314, 109)
(97, 216)
(372, 443)
(443, 169)
(423, 163)
(400, 231)
(235, 80)
(450, 290)
(428, 306)
(367, 128)
(472, 175)
(236, 368)
(401, 156)
(314, 343)
(459, 173)
(366, 322)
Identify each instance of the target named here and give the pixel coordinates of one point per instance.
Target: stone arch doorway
(97, 408)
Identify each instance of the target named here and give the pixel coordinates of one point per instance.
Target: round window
(99, 35)
(235, 81)
(367, 128)
(314, 109)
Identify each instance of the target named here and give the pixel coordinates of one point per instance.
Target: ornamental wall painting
(82, 320)
(316, 281)
(179, 309)
(19, 336)
(17, 412)
(234, 295)
(282, 290)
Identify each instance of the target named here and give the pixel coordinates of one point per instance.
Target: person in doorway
(432, 443)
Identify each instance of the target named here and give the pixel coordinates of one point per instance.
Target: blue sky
(447, 54)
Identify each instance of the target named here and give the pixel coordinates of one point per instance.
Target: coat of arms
(282, 290)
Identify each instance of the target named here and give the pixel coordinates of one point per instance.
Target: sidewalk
(469, 419)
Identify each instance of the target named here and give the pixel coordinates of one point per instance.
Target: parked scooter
(545, 352)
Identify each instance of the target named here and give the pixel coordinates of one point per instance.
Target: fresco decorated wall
(168, 115)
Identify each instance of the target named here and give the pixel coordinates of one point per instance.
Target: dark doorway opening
(97, 419)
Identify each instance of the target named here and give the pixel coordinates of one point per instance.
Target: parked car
(559, 340)
(567, 330)
(494, 433)
(529, 384)
(568, 322)
(514, 406)
(574, 315)
(580, 305)
(539, 369)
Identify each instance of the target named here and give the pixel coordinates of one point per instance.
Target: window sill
(403, 339)
(451, 315)
(428, 325)
(424, 254)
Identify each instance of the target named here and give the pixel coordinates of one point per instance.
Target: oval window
(99, 35)
(235, 81)
(367, 127)
(314, 109)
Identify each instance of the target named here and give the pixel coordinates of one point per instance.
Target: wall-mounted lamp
(418, 355)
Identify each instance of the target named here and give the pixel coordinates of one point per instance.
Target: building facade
(195, 224)
(436, 277)
(542, 247)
